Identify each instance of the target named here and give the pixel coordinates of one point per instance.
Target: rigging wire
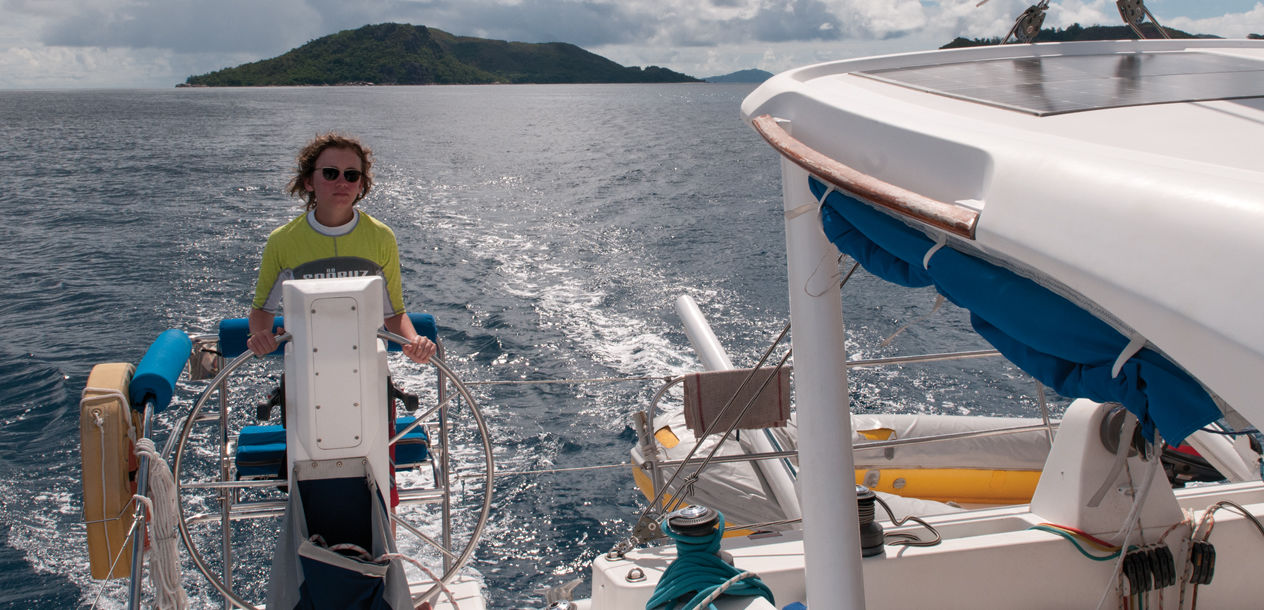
(577, 380)
(500, 473)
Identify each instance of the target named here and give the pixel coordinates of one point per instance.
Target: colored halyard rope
(1210, 521)
(700, 574)
(1091, 539)
(1075, 540)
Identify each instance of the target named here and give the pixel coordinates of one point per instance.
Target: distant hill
(399, 54)
(1078, 33)
(741, 76)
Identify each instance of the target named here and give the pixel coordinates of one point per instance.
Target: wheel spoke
(427, 539)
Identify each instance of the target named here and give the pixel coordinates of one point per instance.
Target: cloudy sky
(158, 43)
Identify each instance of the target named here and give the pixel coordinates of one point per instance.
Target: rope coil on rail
(164, 560)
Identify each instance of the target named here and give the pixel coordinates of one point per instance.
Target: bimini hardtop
(323, 476)
(1097, 208)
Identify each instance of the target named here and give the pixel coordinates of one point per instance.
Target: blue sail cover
(1046, 335)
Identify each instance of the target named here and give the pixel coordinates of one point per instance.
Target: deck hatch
(1072, 83)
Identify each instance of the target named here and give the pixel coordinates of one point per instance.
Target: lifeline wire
(692, 478)
(570, 381)
(117, 557)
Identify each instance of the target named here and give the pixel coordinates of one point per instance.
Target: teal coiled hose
(699, 571)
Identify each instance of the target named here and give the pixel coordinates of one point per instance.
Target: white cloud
(1071, 12)
(770, 56)
(186, 26)
(879, 18)
(1233, 25)
(59, 67)
(73, 43)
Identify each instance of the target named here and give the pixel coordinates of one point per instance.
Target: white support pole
(832, 545)
(710, 352)
(779, 474)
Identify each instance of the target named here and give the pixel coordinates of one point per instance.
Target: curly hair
(307, 164)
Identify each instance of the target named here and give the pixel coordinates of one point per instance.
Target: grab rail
(945, 216)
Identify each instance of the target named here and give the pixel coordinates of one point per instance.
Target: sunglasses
(331, 174)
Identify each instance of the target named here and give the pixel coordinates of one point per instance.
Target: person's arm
(262, 342)
(419, 348)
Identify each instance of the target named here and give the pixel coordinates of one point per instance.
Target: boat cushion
(413, 449)
(260, 452)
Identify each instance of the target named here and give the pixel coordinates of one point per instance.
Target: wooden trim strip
(944, 216)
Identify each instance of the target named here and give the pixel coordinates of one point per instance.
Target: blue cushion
(261, 449)
(261, 435)
(413, 449)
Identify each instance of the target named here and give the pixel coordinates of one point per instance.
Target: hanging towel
(707, 393)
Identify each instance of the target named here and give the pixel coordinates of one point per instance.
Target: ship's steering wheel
(453, 560)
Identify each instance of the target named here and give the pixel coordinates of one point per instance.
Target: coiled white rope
(164, 559)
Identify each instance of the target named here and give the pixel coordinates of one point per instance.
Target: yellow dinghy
(988, 469)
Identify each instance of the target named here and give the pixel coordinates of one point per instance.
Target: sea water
(548, 228)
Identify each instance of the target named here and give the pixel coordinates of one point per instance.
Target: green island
(400, 54)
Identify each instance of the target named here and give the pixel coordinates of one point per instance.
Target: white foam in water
(564, 300)
(51, 546)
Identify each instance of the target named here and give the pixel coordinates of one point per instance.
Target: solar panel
(1073, 83)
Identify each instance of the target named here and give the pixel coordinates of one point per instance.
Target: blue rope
(698, 570)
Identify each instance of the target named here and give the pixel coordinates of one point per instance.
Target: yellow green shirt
(304, 249)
